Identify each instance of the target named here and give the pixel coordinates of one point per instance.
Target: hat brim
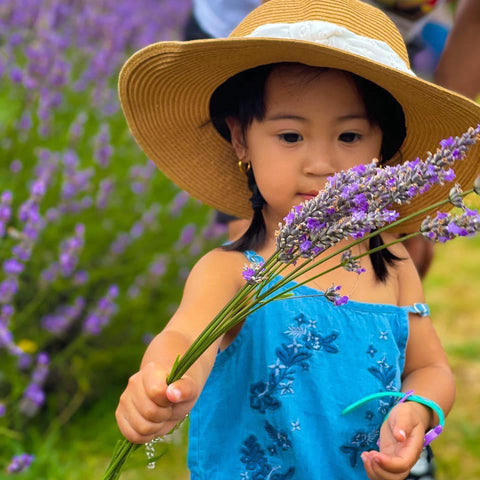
(165, 90)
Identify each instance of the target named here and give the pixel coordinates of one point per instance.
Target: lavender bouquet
(359, 204)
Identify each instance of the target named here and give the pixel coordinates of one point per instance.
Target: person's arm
(426, 372)
(459, 65)
(147, 407)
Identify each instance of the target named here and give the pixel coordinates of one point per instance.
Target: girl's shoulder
(220, 267)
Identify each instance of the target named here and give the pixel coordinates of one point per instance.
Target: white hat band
(331, 35)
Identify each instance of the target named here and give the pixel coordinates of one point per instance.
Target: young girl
(300, 90)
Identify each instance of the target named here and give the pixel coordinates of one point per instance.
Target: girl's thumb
(181, 391)
(400, 425)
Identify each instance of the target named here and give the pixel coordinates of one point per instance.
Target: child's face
(315, 124)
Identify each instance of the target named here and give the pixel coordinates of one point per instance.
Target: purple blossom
(446, 226)
(8, 288)
(350, 264)
(100, 316)
(158, 267)
(70, 249)
(367, 199)
(455, 196)
(2, 410)
(80, 277)
(178, 203)
(253, 273)
(332, 295)
(63, 317)
(20, 463)
(186, 235)
(103, 149)
(33, 398)
(12, 266)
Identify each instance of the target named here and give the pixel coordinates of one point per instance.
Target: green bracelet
(431, 434)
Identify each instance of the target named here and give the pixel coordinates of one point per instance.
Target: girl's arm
(147, 408)
(426, 372)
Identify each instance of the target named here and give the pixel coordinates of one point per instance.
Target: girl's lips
(309, 195)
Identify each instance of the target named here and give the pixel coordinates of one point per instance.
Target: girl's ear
(238, 138)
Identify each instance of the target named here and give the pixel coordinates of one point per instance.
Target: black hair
(243, 97)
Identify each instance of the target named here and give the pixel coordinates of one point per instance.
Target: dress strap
(418, 308)
(253, 256)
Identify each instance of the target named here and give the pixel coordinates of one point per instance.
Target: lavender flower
(186, 235)
(16, 166)
(5, 210)
(100, 315)
(178, 203)
(34, 396)
(20, 463)
(64, 316)
(357, 201)
(2, 410)
(252, 273)
(77, 127)
(12, 266)
(104, 191)
(332, 295)
(446, 226)
(350, 264)
(103, 149)
(455, 197)
(70, 249)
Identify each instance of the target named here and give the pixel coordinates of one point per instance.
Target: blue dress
(271, 407)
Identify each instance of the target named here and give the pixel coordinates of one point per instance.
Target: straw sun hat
(166, 87)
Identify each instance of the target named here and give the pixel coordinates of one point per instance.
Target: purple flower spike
(12, 267)
(358, 201)
(253, 273)
(446, 226)
(20, 463)
(332, 295)
(100, 316)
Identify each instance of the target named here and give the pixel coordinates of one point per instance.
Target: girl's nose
(319, 162)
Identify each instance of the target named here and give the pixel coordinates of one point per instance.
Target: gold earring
(244, 166)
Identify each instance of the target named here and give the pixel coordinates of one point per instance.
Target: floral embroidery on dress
(385, 373)
(360, 442)
(256, 461)
(290, 357)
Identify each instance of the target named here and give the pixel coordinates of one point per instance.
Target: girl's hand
(401, 442)
(149, 408)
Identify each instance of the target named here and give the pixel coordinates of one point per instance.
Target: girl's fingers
(384, 474)
(134, 427)
(149, 410)
(183, 390)
(154, 383)
(367, 463)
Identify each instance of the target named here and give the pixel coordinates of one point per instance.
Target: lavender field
(95, 245)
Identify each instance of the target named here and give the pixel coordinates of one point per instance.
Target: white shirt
(219, 17)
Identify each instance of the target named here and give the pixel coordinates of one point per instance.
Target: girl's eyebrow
(285, 116)
(352, 116)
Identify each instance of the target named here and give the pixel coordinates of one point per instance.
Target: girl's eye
(291, 137)
(349, 137)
